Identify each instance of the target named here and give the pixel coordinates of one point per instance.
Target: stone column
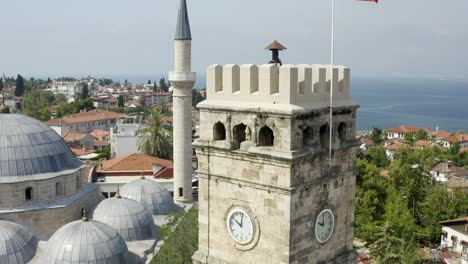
(182, 80)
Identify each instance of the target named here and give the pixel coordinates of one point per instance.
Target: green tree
(196, 97)
(120, 101)
(19, 91)
(408, 136)
(421, 134)
(149, 81)
(84, 91)
(155, 137)
(1, 84)
(378, 156)
(390, 249)
(371, 195)
(376, 135)
(163, 85)
(142, 100)
(180, 237)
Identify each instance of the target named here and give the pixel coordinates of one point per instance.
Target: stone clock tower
(268, 191)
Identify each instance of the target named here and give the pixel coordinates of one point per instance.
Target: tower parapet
(302, 85)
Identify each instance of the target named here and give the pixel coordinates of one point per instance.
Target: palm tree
(155, 137)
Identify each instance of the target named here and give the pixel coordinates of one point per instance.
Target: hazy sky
(416, 38)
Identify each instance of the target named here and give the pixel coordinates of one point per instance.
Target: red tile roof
(72, 137)
(440, 134)
(396, 145)
(164, 173)
(100, 143)
(457, 220)
(404, 129)
(81, 151)
(423, 143)
(99, 133)
(133, 162)
(457, 137)
(462, 150)
(367, 141)
(90, 116)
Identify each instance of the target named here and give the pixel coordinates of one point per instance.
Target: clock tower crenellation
(268, 191)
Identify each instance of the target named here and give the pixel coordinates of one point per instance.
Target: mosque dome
(129, 218)
(31, 150)
(152, 195)
(86, 241)
(18, 243)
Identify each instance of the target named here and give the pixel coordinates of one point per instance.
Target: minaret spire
(182, 80)
(183, 25)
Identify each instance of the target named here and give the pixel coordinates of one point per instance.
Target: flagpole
(332, 49)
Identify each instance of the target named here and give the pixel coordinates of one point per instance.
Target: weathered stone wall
(13, 194)
(285, 185)
(47, 221)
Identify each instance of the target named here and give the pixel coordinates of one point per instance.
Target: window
(307, 137)
(219, 132)
(324, 136)
(181, 192)
(342, 131)
(239, 133)
(58, 189)
(28, 193)
(265, 137)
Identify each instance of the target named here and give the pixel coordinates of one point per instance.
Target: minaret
(182, 80)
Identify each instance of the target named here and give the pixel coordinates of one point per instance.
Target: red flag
(375, 1)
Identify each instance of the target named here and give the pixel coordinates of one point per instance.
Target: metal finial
(117, 195)
(142, 176)
(275, 47)
(84, 217)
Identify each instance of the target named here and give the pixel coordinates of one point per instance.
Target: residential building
(80, 141)
(399, 132)
(366, 143)
(123, 138)
(110, 175)
(454, 235)
(461, 138)
(85, 122)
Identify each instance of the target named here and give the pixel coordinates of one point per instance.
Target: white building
(84, 122)
(454, 235)
(123, 138)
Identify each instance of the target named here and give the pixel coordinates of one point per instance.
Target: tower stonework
(182, 80)
(268, 192)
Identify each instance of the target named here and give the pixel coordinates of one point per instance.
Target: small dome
(31, 150)
(86, 242)
(126, 216)
(152, 195)
(18, 243)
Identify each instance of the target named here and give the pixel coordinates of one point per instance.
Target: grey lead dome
(31, 150)
(152, 195)
(129, 218)
(89, 242)
(18, 243)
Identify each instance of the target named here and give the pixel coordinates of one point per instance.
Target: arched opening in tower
(324, 136)
(265, 137)
(308, 137)
(219, 131)
(28, 193)
(342, 131)
(239, 133)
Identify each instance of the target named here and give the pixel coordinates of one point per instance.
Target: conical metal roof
(183, 24)
(18, 243)
(31, 150)
(152, 195)
(86, 242)
(129, 218)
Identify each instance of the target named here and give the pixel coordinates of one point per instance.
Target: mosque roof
(183, 24)
(129, 218)
(152, 195)
(31, 150)
(86, 241)
(18, 243)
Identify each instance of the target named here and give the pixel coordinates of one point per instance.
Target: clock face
(324, 225)
(240, 226)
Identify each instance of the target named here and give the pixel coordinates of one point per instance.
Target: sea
(432, 104)
(389, 102)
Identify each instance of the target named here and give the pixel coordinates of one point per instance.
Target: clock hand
(242, 221)
(239, 224)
